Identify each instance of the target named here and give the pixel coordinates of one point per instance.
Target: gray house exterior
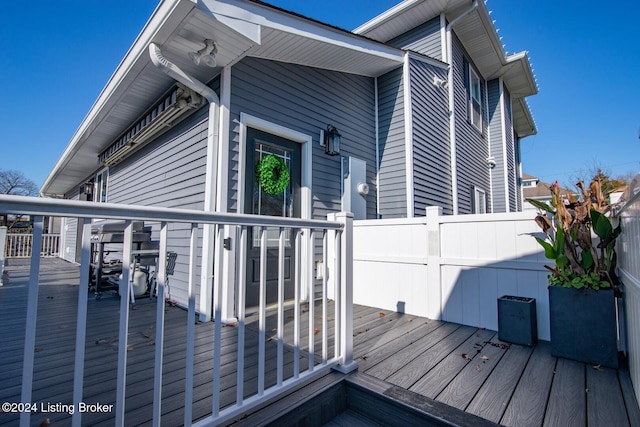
(432, 118)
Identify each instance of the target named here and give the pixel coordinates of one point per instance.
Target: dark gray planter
(517, 322)
(583, 325)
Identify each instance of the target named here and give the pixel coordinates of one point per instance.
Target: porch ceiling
(239, 28)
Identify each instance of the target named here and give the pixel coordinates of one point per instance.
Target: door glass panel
(271, 204)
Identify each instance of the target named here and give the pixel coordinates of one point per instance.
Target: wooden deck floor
(426, 363)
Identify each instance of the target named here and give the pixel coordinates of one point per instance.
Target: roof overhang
(240, 28)
(478, 35)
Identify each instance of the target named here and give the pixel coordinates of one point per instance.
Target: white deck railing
(628, 249)
(19, 245)
(336, 240)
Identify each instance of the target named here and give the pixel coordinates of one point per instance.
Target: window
(100, 186)
(479, 201)
(475, 99)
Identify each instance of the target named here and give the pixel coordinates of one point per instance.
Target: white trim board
(249, 121)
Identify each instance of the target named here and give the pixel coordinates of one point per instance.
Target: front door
(285, 204)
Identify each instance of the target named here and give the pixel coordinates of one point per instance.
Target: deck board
(411, 372)
(567, 401)
(383, 369)
(438, 378)
(461, 390)
(605, 404)
(529, 401)
(415, 360)
(629, 398)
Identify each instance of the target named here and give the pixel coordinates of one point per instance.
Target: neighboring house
(616, 194)
(430, 109)
(533, 188)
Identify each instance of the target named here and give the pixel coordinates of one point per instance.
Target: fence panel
(452, 268)
(628, 250)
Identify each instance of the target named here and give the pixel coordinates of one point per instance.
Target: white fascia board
(527, 71)
(523, 105)
(398, 9)
(286, 22)
(170, 9)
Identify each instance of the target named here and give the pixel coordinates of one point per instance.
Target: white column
(3, 241)
(347, 363)
(434, 279)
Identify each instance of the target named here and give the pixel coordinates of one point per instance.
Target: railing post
(434, 274)
(3, 247)
(30, 327)
(347, 364)
(81, 328)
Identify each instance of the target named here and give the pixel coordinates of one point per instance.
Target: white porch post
(434, 279)
(32, 313)
(3, 242)
(347, 363)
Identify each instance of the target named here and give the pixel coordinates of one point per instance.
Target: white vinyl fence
(628, 248)
(452, 268)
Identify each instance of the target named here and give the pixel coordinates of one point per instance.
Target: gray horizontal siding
(518, 185)
(497, 145)
(424, 39)
(392, 149)
(306, 100)
(511, 164)
(472, 147)
(169, 172)
(431, 148)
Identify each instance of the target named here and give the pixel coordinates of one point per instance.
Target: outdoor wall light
(332, 141)
(86, 188)
(207, 54)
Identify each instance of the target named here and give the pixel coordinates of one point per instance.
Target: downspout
(452, 106)
(177, 74)
(375, 88)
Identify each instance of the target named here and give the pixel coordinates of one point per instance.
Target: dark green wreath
(272, 174)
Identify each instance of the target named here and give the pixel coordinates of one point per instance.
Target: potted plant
(580, 238)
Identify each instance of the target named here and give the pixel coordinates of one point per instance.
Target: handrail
(335, 258)
(116, 211)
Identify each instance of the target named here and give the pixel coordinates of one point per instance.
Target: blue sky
(55, 58)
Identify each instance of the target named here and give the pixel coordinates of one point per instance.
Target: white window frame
(101, 186)
(479, 200)
(474, 103)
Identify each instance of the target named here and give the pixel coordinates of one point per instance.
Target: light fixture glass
(332, 141)
(207, 54)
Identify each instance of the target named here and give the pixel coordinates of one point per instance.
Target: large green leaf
(587, 260)
(562, 261)
(559, 245)
(601, 224)
(542, 205)
(549, 250)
